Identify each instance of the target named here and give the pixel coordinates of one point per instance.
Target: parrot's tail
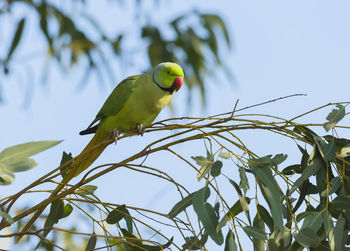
(90, 153)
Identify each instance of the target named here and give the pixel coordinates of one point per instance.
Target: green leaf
(313, 221)
(270, 190)
(66, 157)
(315, 164)
(267, 161)
(225, 155)
(205, 163)
(193, 243)
(242, 200)
(6, 177)
(207, 215)
(258, 223)
(6, 216)
(16, 38)
(17, 153)
(327, 150)
(116, 215)
(329, 228)
(334, 117)
(339, 234)
(86, 190)
(56, 213)
(234, 210)
(216, 168)
(21, 166)
(255, 233)
(67, 210)
(184, 203)
(91, 243)
(244, 184)
(265, 216)
(230, 244)
(128, 220)
(334, 186)
(342, 202)
(308, 238)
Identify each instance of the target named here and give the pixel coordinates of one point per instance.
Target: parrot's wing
(117, 98)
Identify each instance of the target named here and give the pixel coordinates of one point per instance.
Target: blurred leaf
(225, 155)
(116, 214)
(67, 210)
(334, 117)
(86, 190)
(207, 216)
(16, 39)
(91, 243)
(56, 213)
(255, 233)
(216, 168)
(184, 203)
(243, 184)
(64, 167)
(308, 238)
(17, 153)
(6, 216)
(21, 166)
(230, 244)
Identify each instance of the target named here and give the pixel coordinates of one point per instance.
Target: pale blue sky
(280, 48)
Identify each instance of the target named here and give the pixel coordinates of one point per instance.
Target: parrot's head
(168, 76)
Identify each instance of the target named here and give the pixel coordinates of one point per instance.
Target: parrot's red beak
(177, 84)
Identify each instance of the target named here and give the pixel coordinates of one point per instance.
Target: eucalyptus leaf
(334, 117)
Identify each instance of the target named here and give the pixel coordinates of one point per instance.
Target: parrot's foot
(114, 134)
(140, 129)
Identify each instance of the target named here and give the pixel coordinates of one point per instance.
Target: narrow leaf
(116, 215)
(308, 238)
(207, 216)
(255, 233)
(265, 216)
(230, 244)
(339, 234)
(86, 190)
(6, 216)
(342, 202)
(16, 38)
(91, 243)
(184, 203)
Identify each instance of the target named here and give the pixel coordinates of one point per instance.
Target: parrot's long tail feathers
(90, 153)
(89, 130)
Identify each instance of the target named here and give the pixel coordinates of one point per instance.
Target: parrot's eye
(168, 72)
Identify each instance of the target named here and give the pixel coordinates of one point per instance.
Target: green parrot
(133, 104)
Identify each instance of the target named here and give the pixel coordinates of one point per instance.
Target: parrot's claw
(140, 129)
(114, 134)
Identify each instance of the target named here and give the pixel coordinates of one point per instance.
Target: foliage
(79, 38)
(278, 206)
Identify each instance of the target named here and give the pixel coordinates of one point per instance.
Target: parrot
(133, 104)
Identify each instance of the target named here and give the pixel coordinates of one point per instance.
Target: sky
(279, 48)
